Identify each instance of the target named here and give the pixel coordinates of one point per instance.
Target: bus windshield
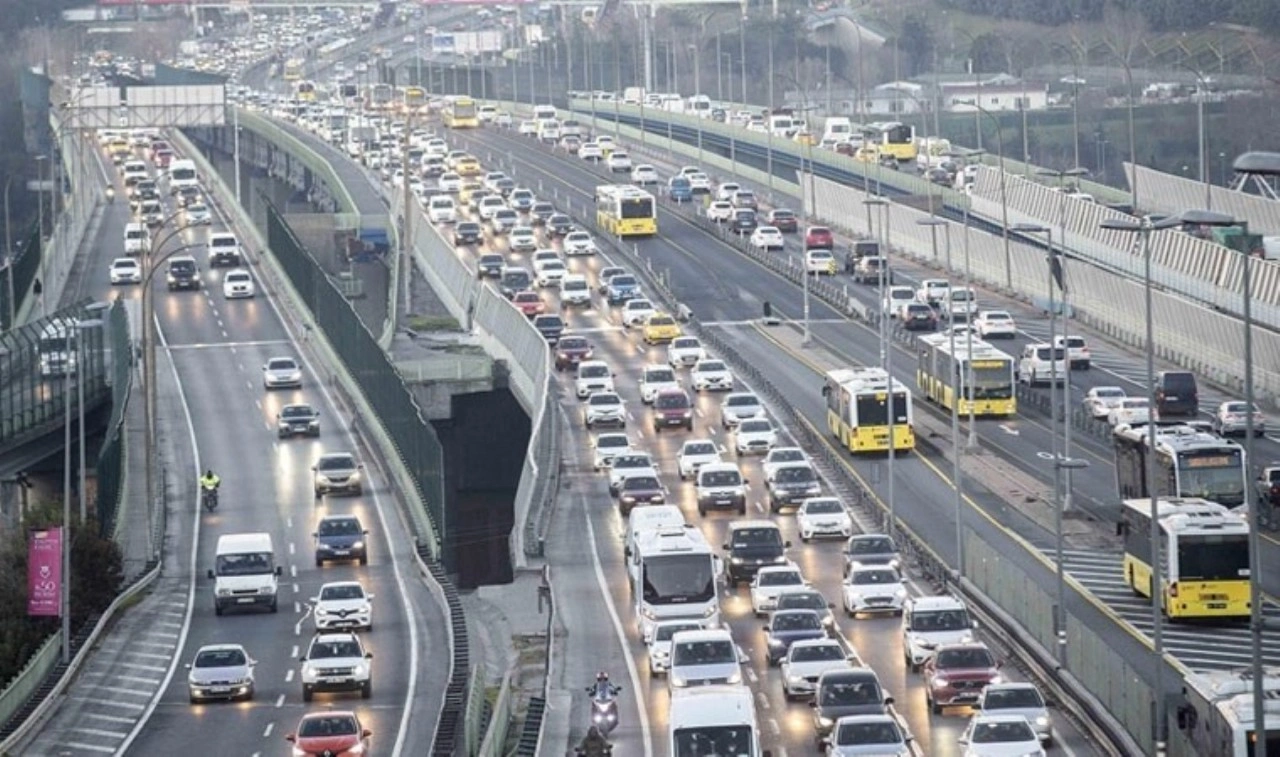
(464, 109)
(1218, 477)
(679, 579)
(873, 409)
(1210, 557)
(637, 208)
(992, 383)
(720, 741)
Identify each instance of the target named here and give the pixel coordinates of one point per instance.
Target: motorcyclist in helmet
(209, 481)
(602, 688)
(595, 744)
(111, 193)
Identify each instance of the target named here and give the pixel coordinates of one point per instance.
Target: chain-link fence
(111, 458)
(413, 436)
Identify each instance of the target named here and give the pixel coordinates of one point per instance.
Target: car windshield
(824, 507)
(237, 277)
(339, 527)
(523, 297)
(296, 411)
(781, 578)
(622, 280)
(672, 401)
(182, 266)
(337, 462)
(342, 591)
(795, 474)
(322, 650)
(711, 366)
(685, 343)
(874, 576)
(964, 658)
(817, 653)
(641, 483)
(1019, 698)
(601, 399)
(742, 400)
(704, 653)
(875, 545)
(632, 461)
(574, 343)
(549, 322)
(1000, 733)
(659, 376)
(1107, 394)
(665, 631)
(219, 658)
(281, 364)
(700, 448)
(720, 477)
(940, 620)
(877, 732)
(593, 371)
(802, 600)
(756, 426)
(612, 442)
(801, 620)
(786, 456)
(849, 693)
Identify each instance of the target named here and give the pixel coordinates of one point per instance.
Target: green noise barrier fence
(111, 458)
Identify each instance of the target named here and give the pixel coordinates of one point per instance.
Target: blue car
(679, 189)
(785, 627)
(622, 288)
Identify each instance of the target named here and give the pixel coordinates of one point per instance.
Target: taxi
(660, 328)
(467, 190)
(468, 166)
(820, 262)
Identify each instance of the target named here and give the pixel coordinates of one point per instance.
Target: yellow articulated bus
(414, 100)
(305, 91)
(461, 113)
(896, 139)
(1205, 551)
(293, 69)
(939, 373)
(626, 211)
(859, 413)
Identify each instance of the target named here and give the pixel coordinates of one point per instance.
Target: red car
(783, 220)
(819, 238)
(162, 158)
(333, 734)
(957, 674)
(529, 303)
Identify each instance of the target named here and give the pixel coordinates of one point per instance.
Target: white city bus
(673, 577)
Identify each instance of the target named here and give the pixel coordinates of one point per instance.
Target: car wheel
(366, 689)
(275, 606)
(217, 609)
(935, 708)
(742, 508)
(364, 559)
(702, 510)
(307, 694)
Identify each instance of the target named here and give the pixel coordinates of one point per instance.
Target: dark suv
(183, 274)
(1176, 394)
(671, 407)
(792, 484)
(751, 545)
(341, 537)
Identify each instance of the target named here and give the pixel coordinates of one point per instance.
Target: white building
(992, 92)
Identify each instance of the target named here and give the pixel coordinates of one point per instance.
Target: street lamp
(886, 353)
(967, 155)
(1202, 146)
(1004, 198)
(84, 325)
(1144, 227)
(44, 255)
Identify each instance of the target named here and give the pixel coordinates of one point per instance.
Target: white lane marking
(270, 727)
(90, 747)
(99, 732)
(292, 550)
(280, 701)
(293, 569)
(224, 345)
(293, 653)
(150, 707)
(142, 666)
(632, 674)
(288, 676)
(296, 588)
(108, 718)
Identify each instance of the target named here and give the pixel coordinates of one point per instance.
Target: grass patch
(419, 322)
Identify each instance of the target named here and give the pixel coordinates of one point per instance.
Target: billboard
(44, 572)
(468, 43)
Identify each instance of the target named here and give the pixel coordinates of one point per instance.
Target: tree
(989, 53)
(916, 44)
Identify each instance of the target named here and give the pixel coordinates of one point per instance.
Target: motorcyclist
(603, 689)
(111, 193)
(209, 482)
(594, 744)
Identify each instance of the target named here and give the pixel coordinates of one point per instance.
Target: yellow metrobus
(461, 113)
(1204, 551)
(305, 91)
(858, 410)
(939, 373)
(894, 138)
(413, 100)
(626, 211)
(293, 69)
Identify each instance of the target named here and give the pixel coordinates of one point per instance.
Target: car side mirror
(210, 573)
(366, 733)
(767, 753)
(964, 740)
(888, 701)
(313, 467)
(290, 738)
(975, 625)
(831, 606)
(279, 571)
(999, 664)
(725, 547)
(370, 596)
(786, 545)
(368, 655)
(765, 627)
(187, 666)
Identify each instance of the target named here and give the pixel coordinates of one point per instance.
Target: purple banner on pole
(44, 572)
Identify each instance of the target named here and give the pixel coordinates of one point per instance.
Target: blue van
(679, 189)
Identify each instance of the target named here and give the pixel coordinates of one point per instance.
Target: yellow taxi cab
(659, 328)
(867, 154)
(467, 167)
(466, 190)
(119, 148)
(606, 144)
(820, 262)
(806, 138)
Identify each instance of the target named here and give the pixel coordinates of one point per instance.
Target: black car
(550, 326)
(917, 316)
(467, 232)
(340, 537)
(752, 545)
(786, 627)
(183, 274)
(792, 484)
(744, 221)
(490, 264)
(540, 212)
(187, 195)
(297, 420)
(839, 693)
(559, 224)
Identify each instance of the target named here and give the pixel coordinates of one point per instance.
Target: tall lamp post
(1144, 227)
(886, 351)
(82, 326)
(1004, 198)
(966, 156)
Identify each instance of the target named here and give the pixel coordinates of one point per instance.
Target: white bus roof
(1176, 438)
(1191, 513)
(709, 706)
(672, 540)
(1231, 693)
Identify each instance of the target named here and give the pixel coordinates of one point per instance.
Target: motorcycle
(111, 194)
(209, 498)
(604, 707)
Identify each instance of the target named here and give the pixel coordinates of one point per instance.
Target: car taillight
(1173, 589)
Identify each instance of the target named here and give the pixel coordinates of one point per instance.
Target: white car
(436, 147)
(336, 662)
(1018, 698)
(551, 273)
(442, 209)
(932, 291)
(527, 128)
(660, 643)
(490, 205)
(449, 182)
(542, 256)
(654, 378)
(895, 298)
(644, 174)
(880, 735)
(727, 191)
(720, 211)
(606, 447)
(579, 243)
(281, 373)
(1130, 410)
(711, 375)
(1000, 736)
(237, 283)
(823, 516)
(618, 162)
(342, 604)
(780, 456)
(755, 436)
(819, 262)
(699, 182)
(636, 312)
(995, 323)
(808, 659)
(738, 407)
(522, 239)
(503, 119)
(767, 238)
(607, 145)
(575, 290)
(1099, 401)
(605, 408)
(590, 151)
(125, 271)
(873, 589)
(770, 581)
(198, 214)
(694, 454)
(685, 351)
(628, 464)
(593, 376)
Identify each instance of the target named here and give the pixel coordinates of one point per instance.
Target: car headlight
(362, 669)
(825, 722)
(780, 559)
(629, 499)
(776, 643)
(938, 682)
(736, 560)
(795, 680)
(900, 594)
(357, 748)
(170, 277)
(648, 614)
(321, 611)
(995, 679)
(678, 681)
(308, 673)
(1042, 721)
(298, 752)
(854, 597)
(269, 589)
(224, 591)
(357, 545)
(966, 639)
(925, 644)
(710, 611)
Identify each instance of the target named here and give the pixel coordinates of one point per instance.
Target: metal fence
(22, 268)
(397, 411)
(112, 456)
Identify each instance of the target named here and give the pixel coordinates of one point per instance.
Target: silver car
(1018, 699)
(282, 373)
(1232, 418)
(220, 671)
(856, 735)
(738, 407)
(338, 472)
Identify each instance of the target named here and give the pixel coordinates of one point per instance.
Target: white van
(544, 112)
(182, 173)
(548, 130)
(837, 129)
(722, 715)
(1042, 364)
(224, 250)
(136, 238)
(782, 126)
(245, 573)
